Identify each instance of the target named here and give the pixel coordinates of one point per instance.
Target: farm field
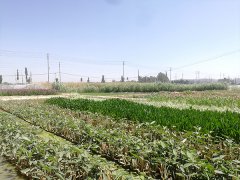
(38, 154)
(223, 100)
(229, 99)
(137, 87)
(122, 138)
(178, 135)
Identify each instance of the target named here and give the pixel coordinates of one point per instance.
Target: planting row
(39, 155)
(220, 123)
(139, 87)
(197, 98)
(26, 92)
(163, 157)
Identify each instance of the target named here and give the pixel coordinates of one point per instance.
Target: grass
(138, 87)
(26, 92)
(230, 98)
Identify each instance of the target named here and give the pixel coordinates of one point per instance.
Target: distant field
(138, 87)
(230, 98)
(26, 92)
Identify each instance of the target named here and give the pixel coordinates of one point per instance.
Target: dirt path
(8, 171)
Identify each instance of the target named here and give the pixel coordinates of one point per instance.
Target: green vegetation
(161, 77)
(139, 87)
(123, 139)
(26, 92)
(38, 155)
(192, 98)
(142, 147)
(220, 123)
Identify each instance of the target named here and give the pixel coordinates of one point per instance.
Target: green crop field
(62, 138)
(138, 87)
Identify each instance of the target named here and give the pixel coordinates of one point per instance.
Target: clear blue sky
(91, 37)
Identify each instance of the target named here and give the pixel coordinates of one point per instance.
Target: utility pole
(22, 78)
(59, 71)
(182, 76)
(48, 65)
(17, 75)
(170, 69)
(138, 76)
(30, 77)
(123, 71)
(197, 75)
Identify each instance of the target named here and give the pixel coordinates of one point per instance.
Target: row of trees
(27, 77)
(161, 77)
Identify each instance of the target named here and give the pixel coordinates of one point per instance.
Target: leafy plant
(219, 123)
(39, 155)
(142, 147)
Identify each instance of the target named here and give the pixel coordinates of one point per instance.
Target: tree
(161, 77)
(17, 75)
(26, 74)
(103, 79)
(122, 79)
(1, 79)
(147, 79)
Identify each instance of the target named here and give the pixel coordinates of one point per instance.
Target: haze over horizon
(92, 38)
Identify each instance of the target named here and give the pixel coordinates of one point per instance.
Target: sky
(91, 38)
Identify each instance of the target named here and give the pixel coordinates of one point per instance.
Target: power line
(59, 71)
(79, 75)
(41, 74)
(28, 54)
(123, 70)
(209, 59)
